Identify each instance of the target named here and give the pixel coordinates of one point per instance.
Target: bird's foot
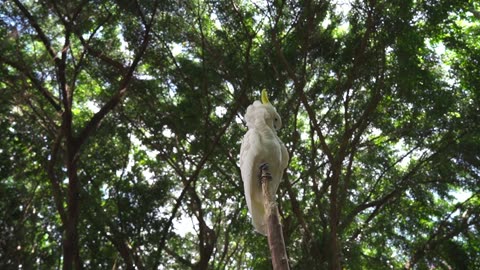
(264, 172)
(264, 166)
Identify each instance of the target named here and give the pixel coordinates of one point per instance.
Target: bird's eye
(276, 119)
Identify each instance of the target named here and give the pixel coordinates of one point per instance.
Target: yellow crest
(265, 97)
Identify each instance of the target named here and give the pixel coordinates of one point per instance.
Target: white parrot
(261, 145)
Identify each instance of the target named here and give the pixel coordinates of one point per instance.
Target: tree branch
(35, 81)
(193, 177)
(446, 230)
(116, 99)
(36, 26)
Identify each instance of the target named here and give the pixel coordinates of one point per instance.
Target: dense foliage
(121, 123)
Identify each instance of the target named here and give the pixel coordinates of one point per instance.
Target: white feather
(261, 145)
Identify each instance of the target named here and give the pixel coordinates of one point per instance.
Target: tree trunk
(334, 248)
(71, 251)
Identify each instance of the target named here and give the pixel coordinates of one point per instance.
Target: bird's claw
(264, 172)
(264, 166)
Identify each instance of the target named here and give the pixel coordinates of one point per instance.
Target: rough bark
(274, 227)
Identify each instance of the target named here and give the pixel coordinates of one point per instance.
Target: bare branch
(274, 227)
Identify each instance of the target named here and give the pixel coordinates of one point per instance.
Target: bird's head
(262, 114)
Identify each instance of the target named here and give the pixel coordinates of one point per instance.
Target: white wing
(249, 162)
(285, 156)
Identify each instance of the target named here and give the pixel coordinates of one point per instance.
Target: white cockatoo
(261, 145)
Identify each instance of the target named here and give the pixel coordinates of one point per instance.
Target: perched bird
(261, 145)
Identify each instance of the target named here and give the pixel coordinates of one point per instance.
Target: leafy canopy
(121, 125)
